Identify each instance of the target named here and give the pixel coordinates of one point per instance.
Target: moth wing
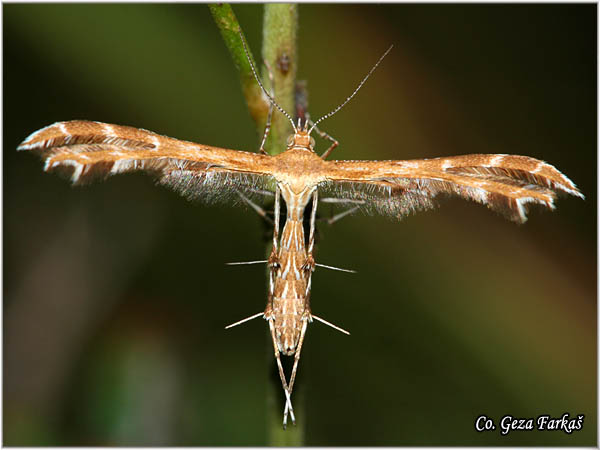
(504, 183)
(86, 151)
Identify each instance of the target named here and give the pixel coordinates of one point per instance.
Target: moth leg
(334, 142)
(295, 368)
(288, 401)
(313, 218)
(342, 214)
(341, 200)
(260, 211)
(334, 200)
(276, 213)
(270, 114)
(310, 261)
(262, 192)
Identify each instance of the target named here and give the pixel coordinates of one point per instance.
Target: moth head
(301, 139)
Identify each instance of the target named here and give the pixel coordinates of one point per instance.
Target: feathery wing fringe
(85, 151)
(504, 183)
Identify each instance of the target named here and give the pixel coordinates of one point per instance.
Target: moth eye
(312, 142)
(290, 140)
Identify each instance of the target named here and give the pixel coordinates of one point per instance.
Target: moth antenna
(273, 102)
(329, 114)
(248, 262)
(239, 322)
(330, 324)
(332, 268)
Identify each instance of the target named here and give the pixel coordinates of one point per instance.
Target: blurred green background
(116, 294)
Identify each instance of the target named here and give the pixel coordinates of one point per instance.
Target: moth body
(291, 270)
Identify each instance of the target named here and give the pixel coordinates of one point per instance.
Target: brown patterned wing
(89, 150)
(505, 183)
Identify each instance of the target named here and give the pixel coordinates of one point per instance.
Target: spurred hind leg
(293, 377)
(288, 401)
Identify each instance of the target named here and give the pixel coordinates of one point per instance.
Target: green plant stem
(229, 27)
(279, 51)
(280, 26)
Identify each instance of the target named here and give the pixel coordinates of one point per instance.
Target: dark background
(116, 294)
